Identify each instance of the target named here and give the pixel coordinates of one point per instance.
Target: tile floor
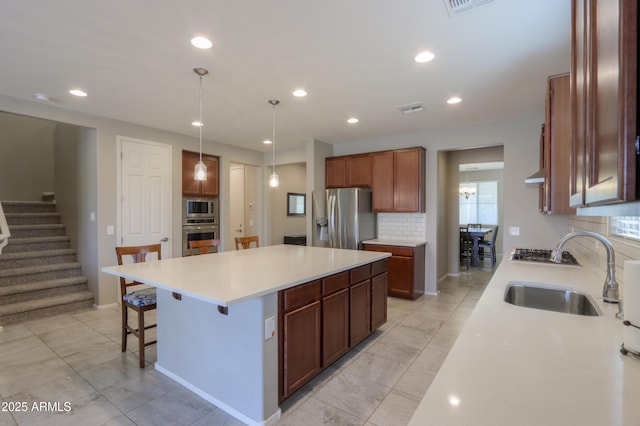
(76, 359)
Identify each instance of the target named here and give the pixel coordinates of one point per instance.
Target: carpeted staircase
(39, 275)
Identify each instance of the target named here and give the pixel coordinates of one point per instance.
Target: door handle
(165, 239)
(238, 230)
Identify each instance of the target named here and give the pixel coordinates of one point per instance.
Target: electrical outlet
(269, 328)
(514, 231)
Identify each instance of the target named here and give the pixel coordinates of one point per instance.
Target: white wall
(75, 160)
(26, 152)
(520, 137)
(292, 179)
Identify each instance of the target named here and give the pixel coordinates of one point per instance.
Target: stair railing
(4, 230)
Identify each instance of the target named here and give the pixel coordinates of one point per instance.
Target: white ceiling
(354, 57)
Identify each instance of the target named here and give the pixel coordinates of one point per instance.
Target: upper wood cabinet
(192, 188)
(397, 180)
(555, 147)
(348, 171)
(604, 45)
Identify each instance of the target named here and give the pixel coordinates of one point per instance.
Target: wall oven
(200, 210)
(197, 233)
(199, 221)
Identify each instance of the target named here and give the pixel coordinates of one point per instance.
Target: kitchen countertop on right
(514, 365)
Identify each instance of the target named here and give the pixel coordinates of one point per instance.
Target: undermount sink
(551, 297)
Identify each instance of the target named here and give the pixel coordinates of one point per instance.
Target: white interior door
(236, 203)
(144, 194)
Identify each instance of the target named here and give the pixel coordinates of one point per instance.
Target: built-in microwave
(199, 210)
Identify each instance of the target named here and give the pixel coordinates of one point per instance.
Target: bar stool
(140, 301)
(245, 242)
(203, 246)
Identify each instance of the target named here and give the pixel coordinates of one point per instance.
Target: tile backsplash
(593, 255)
(402, 226)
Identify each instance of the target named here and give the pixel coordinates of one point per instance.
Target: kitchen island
(214, 317)
(515, 365)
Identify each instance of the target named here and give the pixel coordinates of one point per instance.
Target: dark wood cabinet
(604, 53)
(335, 326)
(300, 336)
(336, 172)
(335, 317)
(209, 188)
(349, 171)
(397, 180)
(555, 147)
(382, 182)
(406, 269)
(360, 307)
(321, 320)
(301, 330)
(378, 299)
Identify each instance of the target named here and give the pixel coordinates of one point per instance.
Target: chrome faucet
(610, 289)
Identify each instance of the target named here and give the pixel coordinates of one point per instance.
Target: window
(482, 206)
(625, 226)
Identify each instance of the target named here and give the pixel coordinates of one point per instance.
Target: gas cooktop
(541, 256)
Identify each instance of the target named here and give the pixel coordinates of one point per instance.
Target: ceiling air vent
(456, 7)
(411, 108)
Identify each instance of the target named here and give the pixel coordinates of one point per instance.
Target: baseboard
(100, 307)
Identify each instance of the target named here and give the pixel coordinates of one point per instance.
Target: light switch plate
(514, 231)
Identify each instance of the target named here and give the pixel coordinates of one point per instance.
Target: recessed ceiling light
(41, 97)
(454, 100)
(78, 92)
(352, 120)
(423, 57)
(300, 93)
(197, 123)
(201, 42)
(267, 142)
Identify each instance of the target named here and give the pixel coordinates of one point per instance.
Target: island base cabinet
(335, 326)
(360, 326)
(321, 320)
(301, 349)
(378, 300)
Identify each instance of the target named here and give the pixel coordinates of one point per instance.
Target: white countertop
(402, 243)
(520, 366)
(234, 276)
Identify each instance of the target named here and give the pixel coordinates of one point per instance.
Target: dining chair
(203, 246)
(245, 242)
(466, 246)
(140, 301)
(490, 245)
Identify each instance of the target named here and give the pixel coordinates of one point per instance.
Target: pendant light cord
(273, 139)
(200, 126)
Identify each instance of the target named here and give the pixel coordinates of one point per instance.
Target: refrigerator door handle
(332, 220)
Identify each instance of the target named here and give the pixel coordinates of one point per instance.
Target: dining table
(477, 235)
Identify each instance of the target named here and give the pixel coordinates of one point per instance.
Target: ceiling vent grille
(411, 108)
(456, 7)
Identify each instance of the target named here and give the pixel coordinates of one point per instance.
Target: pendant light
(274, 180)
(200, 171)
(466, 189)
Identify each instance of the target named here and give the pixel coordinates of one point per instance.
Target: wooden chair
(139, 300)
(203, 246)
(490, 246)
(245, 242)
(466, 246)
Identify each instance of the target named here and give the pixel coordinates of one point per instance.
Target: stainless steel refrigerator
(348, 220)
